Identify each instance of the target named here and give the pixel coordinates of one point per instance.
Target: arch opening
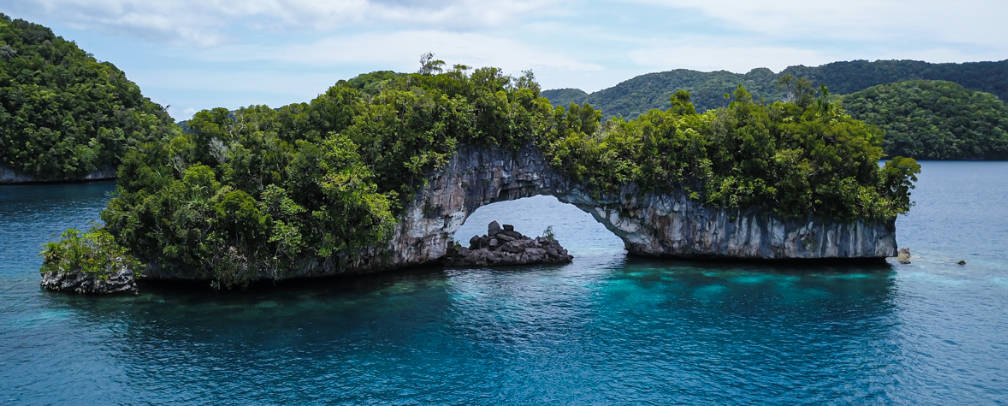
(579, 232)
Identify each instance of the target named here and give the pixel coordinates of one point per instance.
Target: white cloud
(281, 74)
(189, 90)
(203, 82)
(401, 49)
(974, 22)
(213, 22)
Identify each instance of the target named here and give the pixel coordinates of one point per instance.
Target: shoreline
(792, 266)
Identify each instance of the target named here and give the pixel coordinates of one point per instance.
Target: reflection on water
(604, 329)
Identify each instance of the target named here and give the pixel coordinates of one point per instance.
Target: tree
(429, 65)
(681, 103)
(799, 90)
(898, 177)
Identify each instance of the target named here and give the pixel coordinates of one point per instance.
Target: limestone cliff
(117, 280)
(667, 224)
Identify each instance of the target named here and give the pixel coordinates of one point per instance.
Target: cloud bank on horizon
(196, 54)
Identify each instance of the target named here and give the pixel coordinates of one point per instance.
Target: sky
(191, 55)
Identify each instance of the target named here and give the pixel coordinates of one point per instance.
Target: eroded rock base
(118, 282)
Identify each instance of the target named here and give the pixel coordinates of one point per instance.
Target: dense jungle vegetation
(259, 191)
(93, 252)
(62, 113)
(934, 119)
(640, 94)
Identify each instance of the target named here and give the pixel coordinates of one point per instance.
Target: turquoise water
(604, 329)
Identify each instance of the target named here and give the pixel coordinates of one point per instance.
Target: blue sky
(197, 54)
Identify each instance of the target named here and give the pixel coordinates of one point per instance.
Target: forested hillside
(564, 97)
(63, 114)
(934, 119)
(642, 93)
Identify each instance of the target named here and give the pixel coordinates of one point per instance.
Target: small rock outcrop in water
(115, 282)
(904, 256)
(505, 246)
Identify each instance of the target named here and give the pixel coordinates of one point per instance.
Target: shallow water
(604, 329)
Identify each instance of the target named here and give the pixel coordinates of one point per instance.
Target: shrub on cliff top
(94, 252)
(796, 160)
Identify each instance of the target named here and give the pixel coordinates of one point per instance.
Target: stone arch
(666, 224)
(575, 229)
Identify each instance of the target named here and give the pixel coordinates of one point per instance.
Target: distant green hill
(62, 113)
(564, 97)
(927, 119)
(708, 89)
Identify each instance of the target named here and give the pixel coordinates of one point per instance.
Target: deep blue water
(604, 329)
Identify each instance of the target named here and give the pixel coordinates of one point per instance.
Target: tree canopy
(934, 119)
(640, 94)
(794, 160)
(252, 192)
(62, 113)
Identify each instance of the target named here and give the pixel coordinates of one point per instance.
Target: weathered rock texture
(903, 256)
(507, 247)
(666, 224)
(120, 280)
(9, 176)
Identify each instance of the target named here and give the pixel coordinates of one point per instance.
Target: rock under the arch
(507, 247)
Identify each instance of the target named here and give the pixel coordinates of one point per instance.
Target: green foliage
(897, 178)
(800, 91)
(640, 94)
(548, 233)
(934, 119)
(259, 192)
(792, 159)
(636, 96)
(681, 103)
(62, 113)
(94, 252)
(851, 76)
(566, 96)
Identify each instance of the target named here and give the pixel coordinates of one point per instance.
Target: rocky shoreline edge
(118, 281)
